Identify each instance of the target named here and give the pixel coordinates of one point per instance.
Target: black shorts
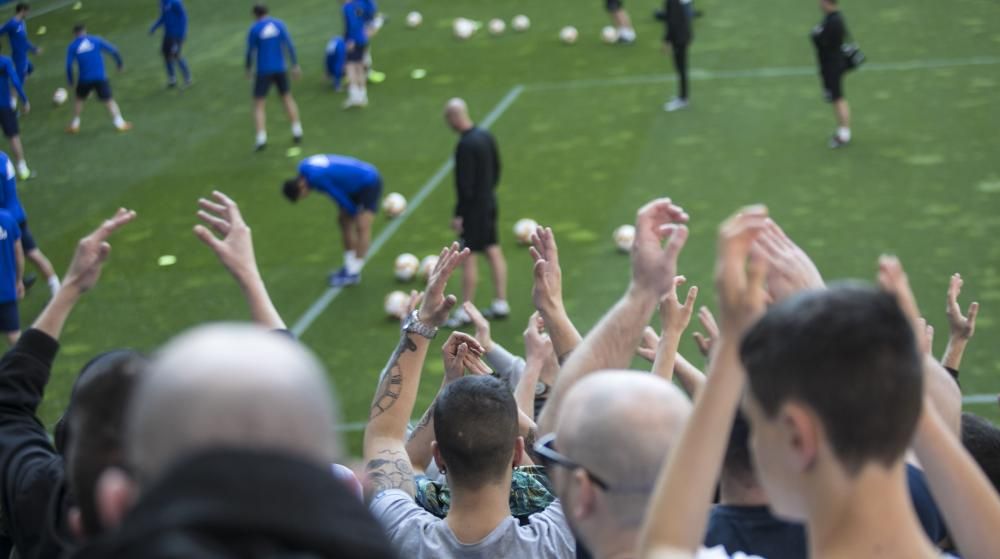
(27, 240)
(8, 121)
(10, 320)
(368, 198)
(479, 231)
(613, 5)
(171, 47)
(357, 54)
(103, 88)
(263, 84)
(833, 88)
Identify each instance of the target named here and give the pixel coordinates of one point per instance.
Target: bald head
(456, 113)
(230, 385)
(621, 425)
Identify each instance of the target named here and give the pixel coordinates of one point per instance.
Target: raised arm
(235, 251)
(678, 512)
(537, 348)
(547, 295)
(612, 342)
(386, 462)
(960, 328)
(674, 318)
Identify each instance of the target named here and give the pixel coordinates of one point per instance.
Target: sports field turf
(584, 142)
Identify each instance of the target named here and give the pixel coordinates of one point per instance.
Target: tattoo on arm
(391, 381)
(391, 470)
(424, 421)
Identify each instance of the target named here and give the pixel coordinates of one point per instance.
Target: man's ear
(518, 451)
(116, 493)
(438, 459)
(800, 428)
(586, 495)
(74, 519)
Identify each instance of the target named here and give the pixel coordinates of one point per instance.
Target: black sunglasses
(545, 448)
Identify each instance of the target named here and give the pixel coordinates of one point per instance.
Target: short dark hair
(259, 9)
(21, 7)
(96, 426)
(849, 354)
(475, 425)
(982, 439)
(78, 28)
(737, 461)
(290, 188)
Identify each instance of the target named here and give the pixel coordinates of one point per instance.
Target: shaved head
(620, 425)
(456, 113)
(230, 385)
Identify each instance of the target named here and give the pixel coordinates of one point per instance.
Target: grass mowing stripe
(773, 72)
(328, 296)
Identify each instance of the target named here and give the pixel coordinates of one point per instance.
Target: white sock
(13, 103)
(54, 284)
(501, 306)
(349, 256)
(75, 123)
(627, 33)
(261, 138)
(296, 129)
(844, 133)
(119, 121)
(22, 167)
(355, 265)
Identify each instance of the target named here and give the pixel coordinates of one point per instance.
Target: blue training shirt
(268, 37)
(339, 177)
(173, 19)
(17, 32)
(8, 78)
(354, 23)
(370, 10)
(336, 57)
(8, 194)
(86, 52)
(10, 233)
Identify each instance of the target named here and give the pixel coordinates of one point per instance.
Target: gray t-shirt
(418, 534)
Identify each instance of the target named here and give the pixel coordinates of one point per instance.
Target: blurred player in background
(827, 37)
(373, 23)
(678, 37)
(336, 60)
(356, 38)
(622, 21)
(86, 51)
(8, 116)
(268, 39)
(11, 275)
(16, 30)
(477, 173)
(10, 202)
(356, 187)
(173, 19)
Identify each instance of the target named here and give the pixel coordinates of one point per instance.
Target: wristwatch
(413, 325)
(541, 389)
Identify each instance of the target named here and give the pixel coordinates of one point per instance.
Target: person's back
(86, 51)
(477, 149)
(17, 33)
(346, 173)
(268, 37)
(174, 18)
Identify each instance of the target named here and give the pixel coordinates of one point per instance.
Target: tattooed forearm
(391, 381)
(424, 422)
(391, 470)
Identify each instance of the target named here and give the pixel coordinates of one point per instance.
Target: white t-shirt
(719, 552)
(418, 534)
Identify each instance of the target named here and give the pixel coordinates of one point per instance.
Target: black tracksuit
(477, 173)
(828, 37)
(679, 34)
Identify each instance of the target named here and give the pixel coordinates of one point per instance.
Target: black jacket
(225, 504)
(827, 37)
(33, 495)
(477, 173)
(678, 22)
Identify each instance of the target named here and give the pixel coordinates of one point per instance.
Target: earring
(443, 470)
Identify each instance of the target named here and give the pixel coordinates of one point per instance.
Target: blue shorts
(263, 83)
(368, 198)
(357, 54)
(10, 320)
(103, 88)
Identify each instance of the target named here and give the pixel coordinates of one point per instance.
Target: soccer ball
(60, 96)
(427, 266)
(568, 34)
(394, 204)
(496, 26)
(624, 237)
(406, 267)
(609, 34)
(523, 230)
(463, 28)
(395, 304)
(520, 23)
(414, 19)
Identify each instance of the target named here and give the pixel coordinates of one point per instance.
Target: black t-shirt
(477, 173)
(827, 37)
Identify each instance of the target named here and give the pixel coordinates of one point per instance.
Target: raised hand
(893, 279)
(436, 306)
(740, 271)
(960, 327)
(648, 344)
(547, 291)
(481, 325)
(412, 304)
(92, 251)
(461, 352)
(654, 264)
(789, 268)
(705, 341)
(235, 247)
(537, 345)
(674, 315)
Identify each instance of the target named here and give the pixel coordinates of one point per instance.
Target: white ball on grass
(496, 26)
(406, 266)
(520, 23)
(624, 237)
(395, 304)
(414, 19)
(568, 35)
(609, 34)
(427, 266)
(394, 204)
(523, 230)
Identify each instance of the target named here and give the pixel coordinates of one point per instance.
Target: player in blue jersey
(336, 60)
(373, 24)
(356, 187)
(173, 19)
(86, 51)
(8, 116)
(269, 39)
(10, 202)
(16, 30)
(11, 276)
(356, 38)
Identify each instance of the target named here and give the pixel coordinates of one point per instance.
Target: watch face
(540, 388)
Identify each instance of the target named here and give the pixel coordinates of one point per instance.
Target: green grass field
(584, 143)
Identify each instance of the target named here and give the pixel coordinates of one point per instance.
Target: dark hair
(95, 429)
(982, 439)
(259, 10)
(290, 188)
(475, 425)
(21, 7)
(849, 354)
(737, 461)
(79, 28)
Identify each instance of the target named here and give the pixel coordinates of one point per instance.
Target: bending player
(356, 187)
(269, 37)
(336, 59)
(86, 51)
(173, 18)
